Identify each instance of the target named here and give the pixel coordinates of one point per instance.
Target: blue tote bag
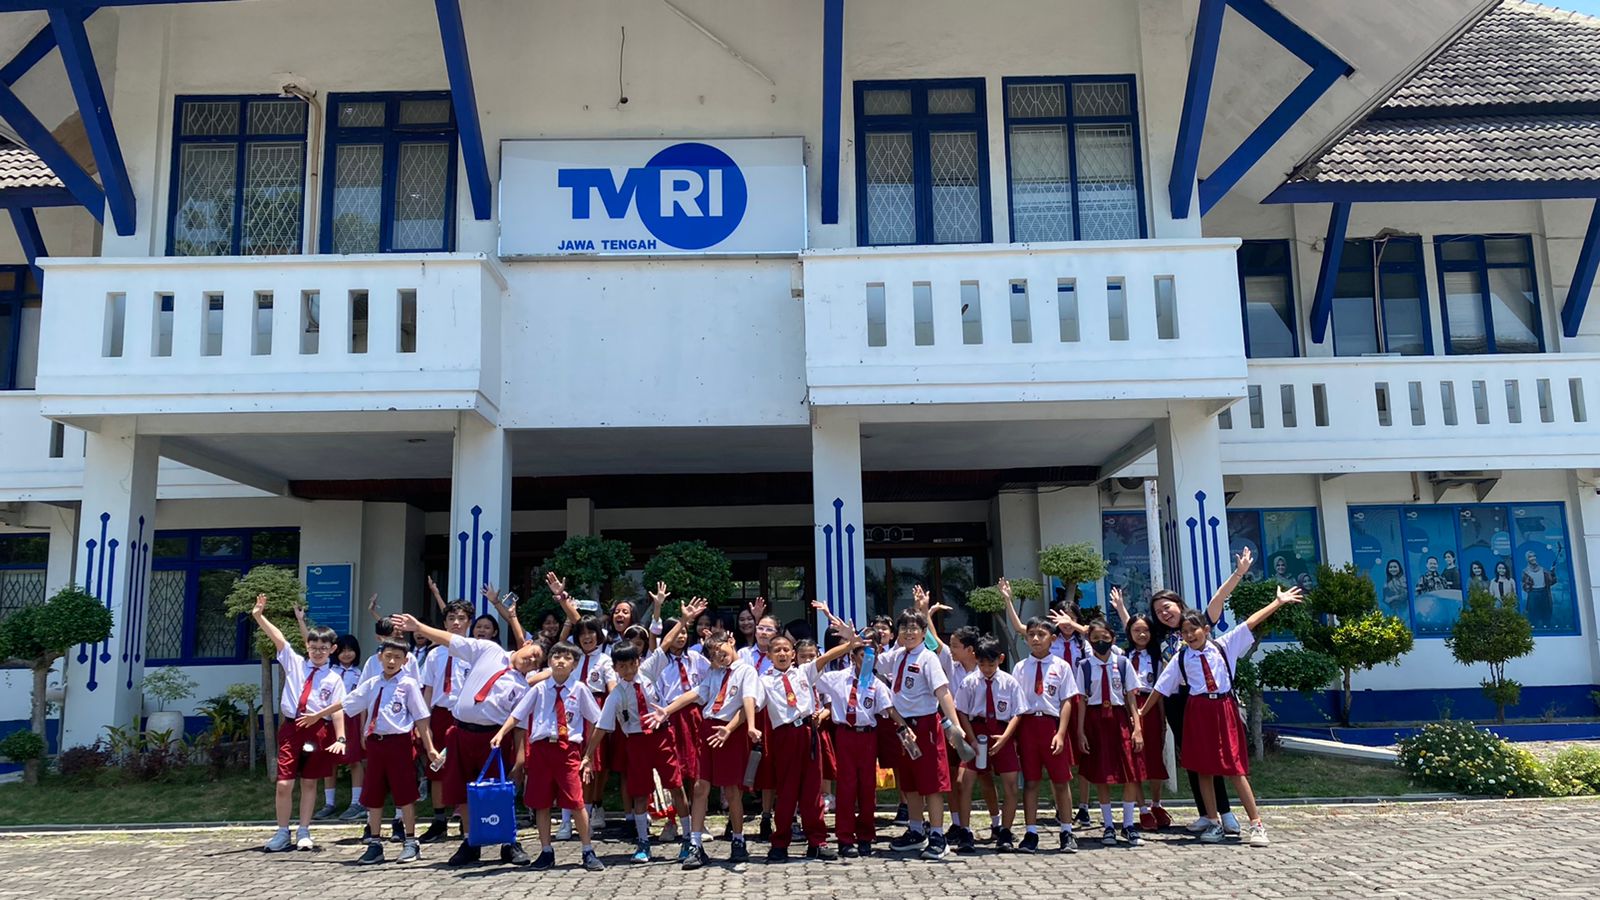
(493, 803)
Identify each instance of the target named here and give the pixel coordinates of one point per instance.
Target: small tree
(1348, 627)
(690, 569)
(588, 563)
(37, 636)
(1492, 630)
(1074, 565)
(284, 591)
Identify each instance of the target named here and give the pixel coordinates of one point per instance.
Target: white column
(1585, 487)
(837, 514)
(1334, 511)
(580, 517)
(1017, 541)
(62, 567)
(1194, 518)
(115, 529)
(480, 510)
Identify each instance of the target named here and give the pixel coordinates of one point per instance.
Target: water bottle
(983, 752)
(908, 742)
(958, 741)
(750, 767)
(869, 660)
(436, 766)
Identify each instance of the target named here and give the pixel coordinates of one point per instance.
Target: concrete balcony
(1091, 321)
(316, 336)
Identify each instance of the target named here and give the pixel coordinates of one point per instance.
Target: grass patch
(1284, 775)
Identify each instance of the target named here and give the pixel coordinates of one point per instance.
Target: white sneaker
(280, 841)
(597, 818)
(827, 803)
(1230, 823)
(669, 831)
(1258, 836)
(1213, 835)
(1200, 825)
(303, 840)
(564, 833)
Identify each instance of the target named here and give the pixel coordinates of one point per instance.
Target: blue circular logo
(696, 198)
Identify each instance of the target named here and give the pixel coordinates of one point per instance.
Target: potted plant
(37, 636)
(166, 685)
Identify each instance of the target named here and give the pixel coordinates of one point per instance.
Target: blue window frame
(1266, 293)
(1489, 294)
(922, 162)
(1380, 299)
(238, 176)
(192, 573)
(1073, 165)
(24, 559)
(17, 287)
(391, 164)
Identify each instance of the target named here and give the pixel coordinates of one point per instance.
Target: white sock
(641, 824)
(1033, 829)
(916, 827)
(566, 818)
(955, 819)
(694, 839)
(1105, 815)
(1129, 818)
(355, 796)
(938, 831)
(588, 848)
(327, 796)
(685, 825)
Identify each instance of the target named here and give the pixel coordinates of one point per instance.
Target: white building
(865, 293)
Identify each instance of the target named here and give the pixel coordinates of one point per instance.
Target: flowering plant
(1455, 756)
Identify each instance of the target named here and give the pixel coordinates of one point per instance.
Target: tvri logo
(689, 196)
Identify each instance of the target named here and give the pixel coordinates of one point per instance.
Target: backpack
(1183, 670)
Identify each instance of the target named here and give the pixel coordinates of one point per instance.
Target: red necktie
(638, 697)
(900, 675)
(449, 663)
(760, 658)
(483, 692)
(683, 674)
(372, 717)
(788, 691)
(1105, 683)
(561, 715)
(1038, 677)
(585, 676)
(850, 706)
(1205, 669)
(722, 692)
(305, 691)
(988, 703)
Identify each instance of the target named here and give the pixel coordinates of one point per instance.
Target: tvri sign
(652, 197)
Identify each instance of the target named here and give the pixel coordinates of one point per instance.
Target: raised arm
(691, 611)
(300, 622)
(1012, 617)
(849, 640)
(507, 612)
(558, 590)
(1286, 597)
(1120, 605)
(259, 613)
(408, 622)
(1220, 598)
(372, 608)
(433, 591)
(658, 598)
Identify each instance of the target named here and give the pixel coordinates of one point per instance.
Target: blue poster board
(329, 591)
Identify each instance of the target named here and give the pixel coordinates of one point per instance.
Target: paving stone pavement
(1459, 851)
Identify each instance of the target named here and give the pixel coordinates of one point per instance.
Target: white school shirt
(674, 674)
(487, 659)
(741, 682)
(373, 667)
(914, 679)
(621, 709)
(397, 700)
(327, 686)
(972, 697)
(1233, 643)
(871, 704)
(595, 670)
(350, 674)
(756, 658)
(801, 678)
(536, 710)
(1116, 671)
(1147, 664)
(433, 672)
(1057, 684)
(1072, 650)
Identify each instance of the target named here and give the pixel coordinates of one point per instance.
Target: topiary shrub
(22, 746)
(1073, 564)
(588, 563)
(1454, 756)
(1492, 630)
(690, 569)
(37, 636)
(1574, 772)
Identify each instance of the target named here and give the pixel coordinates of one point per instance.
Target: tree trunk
(41, 675)
(269, 702)
(1344, 705)
(250, 738)
(1258, 709)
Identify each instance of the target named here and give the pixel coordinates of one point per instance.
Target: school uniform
(794, 749)
(856, 711)
(392, 707)
(915, 677)
(306, 688)
(830, 763)
(1107, 684)
(648, 754)
(352, 724)
(488, 695)
(1213, 740)
(595, 671)
(990, 704)
(373, 667)
(721, 694)
(555, 717)
(445, 675)
(761, 661)
(756, 658)
(1153, 723)
(673, 676)
(1046, 683)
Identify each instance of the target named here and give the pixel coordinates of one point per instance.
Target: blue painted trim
(241, 139)
(1286, 272)
(78, 58)
(919, 125)
(1069, 123)
(832, 101)
(1318, 715)
(84, 7)
(1376, 272)
(1481, 266)
(1196, 100)
(1327, 274)
(27, 226)
(11, 339)
(37, 198)
(1289, 35)
(38, 138)
(459, 66)
(391, 135)
(1267, 134)
(1432, 191)
(1582, 277)
(38, 47)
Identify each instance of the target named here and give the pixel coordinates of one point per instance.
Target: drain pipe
(314, 152)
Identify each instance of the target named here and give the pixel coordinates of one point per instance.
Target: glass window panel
(1506, 250)
(1258, 255)
(9, 314)
(1512, 310)
(273, 198)
(357, 198)
(908, 573)
(1433, 562)
(957, 201)
(1404, 328)
(1379, 550)
(1041, 187)
(23, 550)
(1398, 251)
(1269, 313)
(1463, 304)
(1542, 561)
(19, 589)
(886, 103)
(1355, 327)
(1108, 195)
(877, 587)
(891, 189)
(164, 618)
(221, 545)
(1459, 250)
(170, 548)
(275, 117)
(419, 197)
(425, 112)
(271, 545)
(202, 225)
(216, 633)
(1100, 98)
(956, 581)
(362, 115)
(952, 101)
(210, 118)
(1034, 101)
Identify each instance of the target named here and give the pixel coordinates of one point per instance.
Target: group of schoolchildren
(678, 708)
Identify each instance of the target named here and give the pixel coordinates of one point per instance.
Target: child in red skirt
(346, 661)
(442, 678)
(675, 670)
(1110, 735)
(989, 701)
(1213, 731)
(1146, 660)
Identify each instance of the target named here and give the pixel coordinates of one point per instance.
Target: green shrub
(1295, 669)
(690, 569)
(1074, 564)
(1454, 756)
(1574, 771)
(1492, 630)
(21, 746)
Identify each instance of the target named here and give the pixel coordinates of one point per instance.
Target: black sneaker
(953, 834)
(513, 854)
(849, 851)
(1030, 843)
(546, 860)
(1069, 844)
(727, 832)
(864, 848)
(373, 855)
(765, 834)
(1108, 836)
(697, 858)
(910, 842)
(466, 853)
(937, 849)
(964, 843)
(902, 816)
(1130, 834)
(777, 854)
(437, 831)
(1083, 817)
(738, 853)
(397, 831)
(592, 863)
(822, 852)
(1003, 841)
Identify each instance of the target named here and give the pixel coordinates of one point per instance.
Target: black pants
(1174, 707)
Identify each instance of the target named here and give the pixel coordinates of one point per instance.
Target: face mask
(1101, 647)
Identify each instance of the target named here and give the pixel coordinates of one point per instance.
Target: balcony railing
(1134, 320)
(299, 334)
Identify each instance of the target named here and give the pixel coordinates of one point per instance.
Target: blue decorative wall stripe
(839, 565)
(474, 562)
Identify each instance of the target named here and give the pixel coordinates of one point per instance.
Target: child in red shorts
(305, 753)
(674, 668)
(1048, 688)
(989, 701)
(633, 710)
(857, 706)
(921, 692)
(442, 678)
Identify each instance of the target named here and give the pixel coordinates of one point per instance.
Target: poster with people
(1486, 550)
(1284, 542)
(1433, 561)
(1125, 543)
(1377, 549)
(1541, 559)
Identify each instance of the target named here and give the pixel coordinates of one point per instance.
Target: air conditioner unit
(1231, 486)
(1481, 482)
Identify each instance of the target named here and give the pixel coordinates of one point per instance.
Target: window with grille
(1490, 295)
(391, 164)
(192, 573)
(1072, 159)
(24, 559)
(921, 162)
(238, 176)
(19, 288)
(1266, 288)
(1379, 302)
